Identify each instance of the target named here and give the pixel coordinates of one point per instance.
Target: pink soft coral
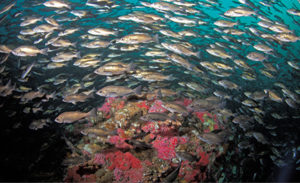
(209, 119)
(128, 176)
(99, 159)
(143, 104)
(126, 167)
(165, 146)
(123, 161)
(105, 108)
(155, 129)
(119, 140)
(187, 102)
(156, 107)
(201, 115)
(204, 159)
(188, 172)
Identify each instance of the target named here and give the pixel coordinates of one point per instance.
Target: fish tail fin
(91, 95)
(156, 38)
(93, 113)
(74, 44)
(13, 87)
(191, 67)
(44, 51)
(138, 90)
(223, 104)
(180, 93)
(60, 27)
(159, 95)
(78, 55)
(52, 95)
(171, 77)
(116, 32)
(8, 84)
(198, 54)
(93, 90)
(131, 67)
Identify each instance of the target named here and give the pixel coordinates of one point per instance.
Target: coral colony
(132, 150)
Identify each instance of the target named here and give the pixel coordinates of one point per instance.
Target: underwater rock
(92, 148)
(130, 111)
(80, 174)
(38, 124)
(104, 175)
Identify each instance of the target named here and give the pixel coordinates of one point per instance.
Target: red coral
(211, 126)
(191, 172)
(143, 104)
(157, 107)
(187, 171)
(126, 167)
(99, 159)
(107, 105)
(134, 175)
(187, 102)
(165, 146)
(128, 176)
(123, 161)
(149, 127)
(155, 129)
(121, 132)
(204, 159)
(216, 127)
(119, 174)
(201, 115)
(120, 105)
(152, 136)
(119, 142)
(147, 163)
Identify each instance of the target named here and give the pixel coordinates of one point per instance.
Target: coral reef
(123, 148)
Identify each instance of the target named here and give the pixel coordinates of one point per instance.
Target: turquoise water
(277, 73)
